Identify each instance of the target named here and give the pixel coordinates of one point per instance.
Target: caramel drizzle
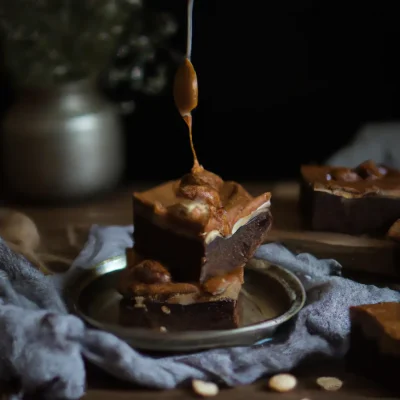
(185, 85)
(189, 40)
(188, 120)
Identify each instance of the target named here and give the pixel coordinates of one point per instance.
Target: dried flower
(47, 42)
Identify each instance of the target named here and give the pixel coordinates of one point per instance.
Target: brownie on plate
(152, 299)
(192, 239)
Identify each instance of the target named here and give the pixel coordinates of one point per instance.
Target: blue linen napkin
(42, 347)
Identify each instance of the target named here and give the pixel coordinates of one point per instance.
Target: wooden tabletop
(64, 230)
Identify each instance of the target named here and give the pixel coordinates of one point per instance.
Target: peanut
(205, 389)
(282, 382)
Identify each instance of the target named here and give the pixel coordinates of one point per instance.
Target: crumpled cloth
(42, 347)
(379, 142)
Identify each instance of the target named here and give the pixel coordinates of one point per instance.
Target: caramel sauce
(218, 284)
(150, 271)
(144, 277)
(185, 86)
(366, 179)
(163, 289)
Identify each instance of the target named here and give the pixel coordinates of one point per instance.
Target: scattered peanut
(19, 229)
(22, 236)
(163, 329)
(282, 382)
(165, 310)
(205, 389)
(329, 383)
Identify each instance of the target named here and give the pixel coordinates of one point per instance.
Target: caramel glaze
(218, 284)
(163, 289)
(201, 185)
(150, 278)
(365, 180)
(200, 202)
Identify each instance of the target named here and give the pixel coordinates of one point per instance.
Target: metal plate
(270, 297)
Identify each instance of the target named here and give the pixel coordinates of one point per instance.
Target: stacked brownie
(192, 239)
(360, 201)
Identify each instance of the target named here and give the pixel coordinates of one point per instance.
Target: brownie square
(375, 342)
(360, 201)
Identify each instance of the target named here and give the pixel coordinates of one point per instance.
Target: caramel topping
(345, 174)
(221, 221)
(188, 119)
(186, 98)
(369, 170)
(176, 210)
(205, 187)
(202, 193)
(151, 278)
(150, 271)
(163, 289)
(240, 210)
(356, 182)
(143, 271)
(201, 185)
(218, 284)
(197, 213)
(202, 177)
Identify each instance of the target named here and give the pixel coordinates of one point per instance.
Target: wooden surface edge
(231, 394)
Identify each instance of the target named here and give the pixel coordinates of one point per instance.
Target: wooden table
(64, 231)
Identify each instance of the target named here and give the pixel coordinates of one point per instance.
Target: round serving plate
(270, 297)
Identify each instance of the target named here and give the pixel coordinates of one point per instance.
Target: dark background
(280, 84)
